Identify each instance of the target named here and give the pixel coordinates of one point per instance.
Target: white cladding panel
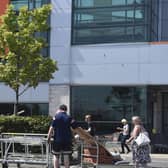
(121, 64)
(38, 95)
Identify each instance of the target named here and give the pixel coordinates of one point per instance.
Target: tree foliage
(22, 64)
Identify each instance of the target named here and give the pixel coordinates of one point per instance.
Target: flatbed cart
(24, 148)
(87, 156)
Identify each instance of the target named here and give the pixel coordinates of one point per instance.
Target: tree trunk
(16, 102)
(17, 88)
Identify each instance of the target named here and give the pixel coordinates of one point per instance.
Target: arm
(119, 128)
(50, 132)
(134, 134)
(73, 124)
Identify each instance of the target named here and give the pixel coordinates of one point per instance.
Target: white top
(126, 129)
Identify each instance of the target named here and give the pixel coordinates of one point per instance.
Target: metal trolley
(95, 156)
(24, 148)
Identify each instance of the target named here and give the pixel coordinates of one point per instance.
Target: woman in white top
(141, 154)
(125, 135)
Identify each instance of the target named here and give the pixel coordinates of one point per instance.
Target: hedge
(17, 124)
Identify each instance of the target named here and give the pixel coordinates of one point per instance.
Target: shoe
(122, 152)
(128, 151)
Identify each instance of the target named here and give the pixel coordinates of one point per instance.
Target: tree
(22, 64)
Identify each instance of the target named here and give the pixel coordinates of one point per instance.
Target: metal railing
(22, 148)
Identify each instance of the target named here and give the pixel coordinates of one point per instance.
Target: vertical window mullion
(134, 16)
(125, 28)
(148, 17)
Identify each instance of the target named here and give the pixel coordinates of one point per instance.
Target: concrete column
(58, 94)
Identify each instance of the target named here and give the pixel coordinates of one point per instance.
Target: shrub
(17, 124)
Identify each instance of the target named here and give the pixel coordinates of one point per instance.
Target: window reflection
(131, 2)
(25, 109)
(31, 4)
(118, 2)
(97, 16)
(118, 16)
(107, 103)
(27, 3)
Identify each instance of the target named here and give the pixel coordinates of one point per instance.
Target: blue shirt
(62, 124)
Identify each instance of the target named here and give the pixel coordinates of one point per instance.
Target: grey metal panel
(164, 20)
(155, 13)
(165, 10)
(165, 30)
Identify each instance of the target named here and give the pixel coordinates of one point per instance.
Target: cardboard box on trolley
(93, 151)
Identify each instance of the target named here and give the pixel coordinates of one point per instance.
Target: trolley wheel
(5, 165)
(18, 165)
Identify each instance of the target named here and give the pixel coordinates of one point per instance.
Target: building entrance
(158, 111)
(165, 112)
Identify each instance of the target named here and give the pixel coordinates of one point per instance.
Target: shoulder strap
(142, 129)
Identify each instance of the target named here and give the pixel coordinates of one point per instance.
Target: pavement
(158, 161)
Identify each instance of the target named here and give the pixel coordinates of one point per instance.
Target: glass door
(165, 112)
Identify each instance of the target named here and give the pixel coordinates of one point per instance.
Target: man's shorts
(61, 148)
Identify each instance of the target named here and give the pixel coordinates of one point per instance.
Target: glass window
(92, 17)
(130, 2)
(84, 3)
(108, 104)
(18, 4)
(31, 4)
(139, 1)
(119, 16)
(118, 2)
(130, 16)
(26, 109)
(139, 14)
(28, 3)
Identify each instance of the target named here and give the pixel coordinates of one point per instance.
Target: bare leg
(56, 161)
(137, 165)
(66, 161)
(144, 165)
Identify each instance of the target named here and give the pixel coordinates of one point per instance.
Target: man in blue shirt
(61, 127)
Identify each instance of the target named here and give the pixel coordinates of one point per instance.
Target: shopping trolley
(95, 154)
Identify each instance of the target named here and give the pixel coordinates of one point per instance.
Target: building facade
(112, 59)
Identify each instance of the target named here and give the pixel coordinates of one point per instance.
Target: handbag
(142, 139)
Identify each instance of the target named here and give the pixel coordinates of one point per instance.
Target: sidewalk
(158, 161)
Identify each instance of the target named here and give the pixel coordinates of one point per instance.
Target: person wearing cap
(125, 135)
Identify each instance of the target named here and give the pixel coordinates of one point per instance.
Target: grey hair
(137, 119)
